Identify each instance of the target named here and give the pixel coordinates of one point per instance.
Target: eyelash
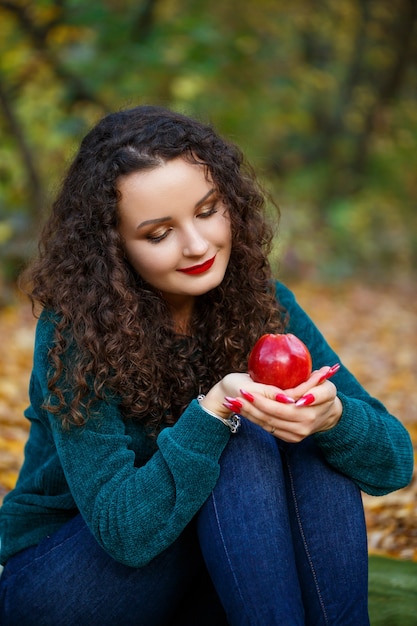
(205, 214)
(157, 238)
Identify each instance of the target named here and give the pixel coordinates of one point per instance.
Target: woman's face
(176, 230)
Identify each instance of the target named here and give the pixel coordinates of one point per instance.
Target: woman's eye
(157, 237)
(209, 211)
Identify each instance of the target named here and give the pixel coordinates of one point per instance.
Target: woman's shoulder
(44, 334)
(283, 292)
(285, 296)
(46, 324)
(297, 320)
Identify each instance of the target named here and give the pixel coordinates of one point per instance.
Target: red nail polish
(329, 373)
(305, 400)
(323, 378)
(234, 405)
(334, 368)
(281, 397)
(248, 396)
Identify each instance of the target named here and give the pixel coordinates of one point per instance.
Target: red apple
(280, 360)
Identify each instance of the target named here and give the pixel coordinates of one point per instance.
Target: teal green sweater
(137, 496)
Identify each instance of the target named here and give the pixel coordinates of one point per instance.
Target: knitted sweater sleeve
(368, 444)
(134, 512)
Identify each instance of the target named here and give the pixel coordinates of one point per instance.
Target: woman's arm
(368, 443)
(134, 512)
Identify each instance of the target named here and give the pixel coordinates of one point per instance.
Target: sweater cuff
(199, 432)
(348, 433)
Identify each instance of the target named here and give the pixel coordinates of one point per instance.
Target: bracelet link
(232, 422)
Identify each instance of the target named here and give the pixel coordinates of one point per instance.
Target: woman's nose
(194, 243)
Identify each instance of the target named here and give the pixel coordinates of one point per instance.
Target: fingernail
(281, 397)
(323, 378)
(305, 400)
(248, 396)
(332, 370)
(233, 404)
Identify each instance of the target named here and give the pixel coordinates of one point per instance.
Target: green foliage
(321, 98)
(392, 592)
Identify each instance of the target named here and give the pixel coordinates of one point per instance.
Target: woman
(143, 497)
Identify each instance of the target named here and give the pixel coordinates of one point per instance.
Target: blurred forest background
(321, 96)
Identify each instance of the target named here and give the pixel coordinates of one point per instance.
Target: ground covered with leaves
(372, 328)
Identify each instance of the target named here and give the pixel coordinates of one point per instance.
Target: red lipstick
(199, 269)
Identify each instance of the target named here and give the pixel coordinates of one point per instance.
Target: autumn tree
(321, 96)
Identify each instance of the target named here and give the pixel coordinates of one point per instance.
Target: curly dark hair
(114, 335)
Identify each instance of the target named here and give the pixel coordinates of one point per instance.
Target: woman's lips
(199, 269)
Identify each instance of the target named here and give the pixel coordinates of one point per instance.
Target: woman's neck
(182, 318)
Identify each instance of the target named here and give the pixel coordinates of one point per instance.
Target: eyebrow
(159, 220)
(204, 198)
(156, 220)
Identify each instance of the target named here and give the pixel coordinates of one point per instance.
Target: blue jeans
(282, 538)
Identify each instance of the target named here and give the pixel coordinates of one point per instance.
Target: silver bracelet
(232, 422)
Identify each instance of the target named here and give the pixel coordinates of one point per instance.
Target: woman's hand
(296, 413)
(291, 415)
